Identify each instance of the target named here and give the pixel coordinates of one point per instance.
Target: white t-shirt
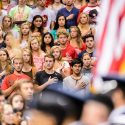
(49, 13)
(89, 8)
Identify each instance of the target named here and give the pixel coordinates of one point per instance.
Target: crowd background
(47, 62)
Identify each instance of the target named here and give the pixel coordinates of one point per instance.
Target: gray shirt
(69, 84)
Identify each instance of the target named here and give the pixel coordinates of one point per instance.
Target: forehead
(89, 38)
(34, 41)
(26, 84)
(79, 64)
(1, 51)
(86, 56)
(48, 59)
(18, 61)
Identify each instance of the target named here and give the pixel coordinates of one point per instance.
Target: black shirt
(42, 77)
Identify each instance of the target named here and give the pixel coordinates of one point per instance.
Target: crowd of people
(47, 58)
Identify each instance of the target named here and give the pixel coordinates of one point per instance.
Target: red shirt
(10, 79)
(69, 51)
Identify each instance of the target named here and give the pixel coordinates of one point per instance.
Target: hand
(51, 80)
(70, 17)
(80, 85)
(61, 66)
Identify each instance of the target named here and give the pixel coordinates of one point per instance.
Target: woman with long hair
(60, 65)
(28, 67)
(24, 35)
(47, 42)
(84, 25)
(37, 26)
(37, 53)
(59, 25)
(76, 39)
(8, 26)
(5, 64)
(11, 43)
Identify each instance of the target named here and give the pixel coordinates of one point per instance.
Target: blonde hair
(30, 53)
(14, 43)
(85, 15)
(62, 32)
(79, 39)
(56, 47)
(22, 25)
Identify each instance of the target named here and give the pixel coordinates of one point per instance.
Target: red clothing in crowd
(69, 51)
(10, 79)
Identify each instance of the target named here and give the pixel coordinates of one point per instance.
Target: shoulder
(57, 74)
(67, 78)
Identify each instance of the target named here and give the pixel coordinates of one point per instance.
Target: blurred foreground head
(54, 108)
(96, 110)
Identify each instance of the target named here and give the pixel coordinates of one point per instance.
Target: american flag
(111, 39)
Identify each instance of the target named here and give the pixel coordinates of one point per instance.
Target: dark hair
(103, 99)
(51, 44)
(57, 25)
(88, 36)
(40, 29)
(76, 61)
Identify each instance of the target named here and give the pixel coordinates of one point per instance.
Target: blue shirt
(66, 13)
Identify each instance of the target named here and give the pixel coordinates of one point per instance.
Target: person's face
(89, 42)
(47, 39)
(61, 21)
(94, 113)
(26, 57)
(38, 117)
(18, 64)
(7, 22)
(27, 90)
(77, 69)
(73, 33)
(62, 39)
(8, 115)
(34, 45)
(3, 56)
(49, 62)
(83, 19)
(41, 3)
(25, 29)
(1, 32)
(17, 102)
(38, 22)
(69, 2)
(8, 40)
(87, 60)
(22, 2)
(56, 53)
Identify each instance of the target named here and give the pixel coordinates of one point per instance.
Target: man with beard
(76, 82)
(48, 78)
(90, 45)
(8, 83)
(70, 12)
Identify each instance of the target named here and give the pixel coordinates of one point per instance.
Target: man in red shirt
(8, 82)
(67, 51)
